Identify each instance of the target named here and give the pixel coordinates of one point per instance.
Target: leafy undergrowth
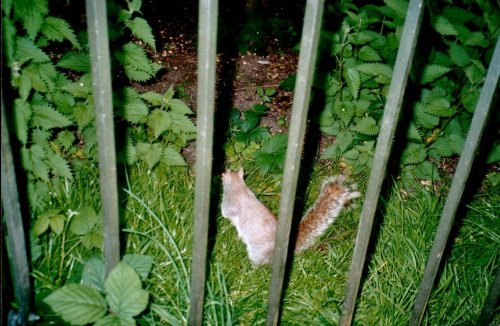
(157, 210)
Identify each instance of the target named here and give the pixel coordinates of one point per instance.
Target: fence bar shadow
(207, 33)
(101, 85)
(305, 71)
(483, 109)
(382, 152)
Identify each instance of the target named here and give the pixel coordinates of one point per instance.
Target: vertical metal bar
(483, 108)
(101, 85)
(207, 41)
(16, 242)
(384, 144)
(305, 72)
(491, 302)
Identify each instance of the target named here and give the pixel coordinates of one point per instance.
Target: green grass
(157, 210)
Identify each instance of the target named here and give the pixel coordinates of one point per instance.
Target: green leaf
(456, 143)
(433, 72)
(288, 84)
(457, 15)
(26, 50)
(79, 62)
(494, 154)
(136, 112)
(344, 140)
(41, 225)
(84, 222)
(141, 264)
(399, 6)
(59, 166)
(426, 171)
(31, 14)
(475, 72)
(141, 29)
(439, 107)
(331, 152)
(443, 26)
(57, 29)
(153, 98)
(136, 63)
(382, 71)
(34, 160)
(179, 107)
(158, 122)
(367, 53)
(40, 136)
(353, 80)
(22, 116)
(440, 148)
(149, 153)
(271, 156)
(9, 36)
(181, 123)
(77, 304)
(124, 292)
(134, 5)
(64, 102)
(459, 56)
(57, 223)
(94, 274)
(413, 133)
(477, 39)
(414, 153)
(81, 88)
(366, 126)
(66, 139)
(171, 157)
(83, 115)
(46, 117)
(332, 129)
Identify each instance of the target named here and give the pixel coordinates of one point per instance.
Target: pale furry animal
(256, 225)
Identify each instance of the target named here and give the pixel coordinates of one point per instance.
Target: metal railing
(208, 10)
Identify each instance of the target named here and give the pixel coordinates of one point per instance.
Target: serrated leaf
(477, 39)
(433, 72)
(354, 81)
(79, 62)
(345, 111)
(153, 98)
(398, 6)
(459, 56)
(124, 292)
(414, 153)
(57, 29)
(34, 160)
(182, 124)
(149, 153)
(413, 133)
(83, 115)
(344, 140)
(64, 102)
(22, 116)
(179, 107)
(41, 225)
(57, 223)
(440, 148)
(136, 112)
(141, 264)
(84, 222)
(9, 36)
(77, 304)
(94, 274)
(475, 73)
(46, 117)
(59, 166)
(439, 107)
(367, 53)
(366, 126)
(331, 130)
(494, 154)
(426, 171)
(31, 14)
(81, 88)
(137, 65)
(271, 156)
(456, 143)
(171, 157)
(382, 71)
(443, 26)
(26, 50)
(65, 138)
(331, 152)
(158, 122)
(134, 5)
(141, 29)
(90, 137)
(457, 15)
(40, 136)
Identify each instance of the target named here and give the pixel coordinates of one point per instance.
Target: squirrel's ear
(241, 172)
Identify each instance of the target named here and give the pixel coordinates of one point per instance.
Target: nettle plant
(448, 81)
(249, 141)
(54, 112)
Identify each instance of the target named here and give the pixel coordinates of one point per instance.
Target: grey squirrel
(256, 225)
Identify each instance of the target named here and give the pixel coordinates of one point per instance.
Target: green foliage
(54, 113)
(114, 300)
(449, 80)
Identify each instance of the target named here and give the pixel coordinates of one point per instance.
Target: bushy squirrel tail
(333, 197)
